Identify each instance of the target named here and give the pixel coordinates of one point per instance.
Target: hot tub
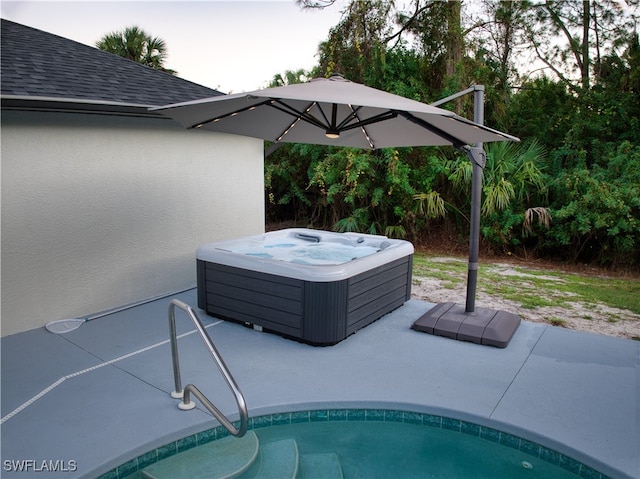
(314, 286)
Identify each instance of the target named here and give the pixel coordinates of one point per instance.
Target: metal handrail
(185, 394)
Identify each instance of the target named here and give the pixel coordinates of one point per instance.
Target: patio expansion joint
(110, 362)
(515, 376)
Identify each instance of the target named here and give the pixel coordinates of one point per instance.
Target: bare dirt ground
(598, 319)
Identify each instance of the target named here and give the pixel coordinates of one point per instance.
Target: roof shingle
(39, 64)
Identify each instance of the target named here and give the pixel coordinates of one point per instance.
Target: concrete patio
(98, 396)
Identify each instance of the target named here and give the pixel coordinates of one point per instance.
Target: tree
(544, 109)
(578, 201)
(290, 77)
(136, 45)
(569, 36)
(597, 210)
(357, 42)
(497, 31)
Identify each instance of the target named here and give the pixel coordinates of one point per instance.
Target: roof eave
(75, 105)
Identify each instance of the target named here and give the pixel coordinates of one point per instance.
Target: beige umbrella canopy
(331, 111)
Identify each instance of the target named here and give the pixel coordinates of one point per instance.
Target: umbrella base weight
(483, 326)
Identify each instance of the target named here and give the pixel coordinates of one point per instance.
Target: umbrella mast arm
(471, 89)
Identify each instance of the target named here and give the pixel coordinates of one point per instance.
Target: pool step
(320, 466)
(224, 458)
(276, 460)
(246, 458)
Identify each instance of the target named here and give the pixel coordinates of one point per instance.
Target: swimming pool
(367, 443)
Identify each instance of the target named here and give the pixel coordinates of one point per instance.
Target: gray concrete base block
(482, 326)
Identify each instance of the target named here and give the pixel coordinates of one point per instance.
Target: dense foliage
(564, 76)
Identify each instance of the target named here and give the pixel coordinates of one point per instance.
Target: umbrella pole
(477, 157)
(478, 160)
(485, 326)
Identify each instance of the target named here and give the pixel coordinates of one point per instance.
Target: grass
(534, 288)
(557, 321)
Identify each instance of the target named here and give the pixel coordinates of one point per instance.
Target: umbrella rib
(226, 115)
(299, 115)
(354, 112)
(327, 124)
(456, 142)
(334, 115)
(387, 115)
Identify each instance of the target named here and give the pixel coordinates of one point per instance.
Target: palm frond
(544, 218)
(498, 196)
(430, 205)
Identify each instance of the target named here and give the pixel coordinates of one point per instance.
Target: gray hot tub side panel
(271, 301)
(321, 313)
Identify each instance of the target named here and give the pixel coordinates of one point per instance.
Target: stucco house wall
(99, 211)
(104, 202)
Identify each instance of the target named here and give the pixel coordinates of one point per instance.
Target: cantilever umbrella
(331, 111)
(335, 111)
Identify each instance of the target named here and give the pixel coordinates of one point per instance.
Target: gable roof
(45, 71)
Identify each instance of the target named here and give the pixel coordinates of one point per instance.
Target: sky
(232, 46)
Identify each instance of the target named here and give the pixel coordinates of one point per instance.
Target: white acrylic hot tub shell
(221, 252)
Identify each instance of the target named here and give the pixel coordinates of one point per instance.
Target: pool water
(313, 254)
(397, 450)
(354, 444)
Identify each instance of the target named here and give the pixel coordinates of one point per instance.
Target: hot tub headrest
(308, 237)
